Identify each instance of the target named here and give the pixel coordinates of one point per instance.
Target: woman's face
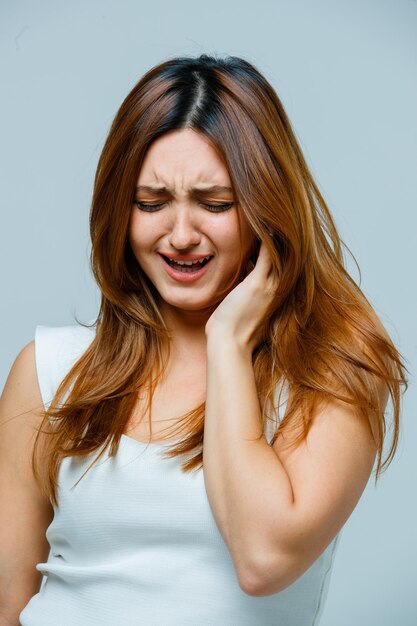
(172, 216)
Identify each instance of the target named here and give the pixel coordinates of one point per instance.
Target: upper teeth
(191, 262)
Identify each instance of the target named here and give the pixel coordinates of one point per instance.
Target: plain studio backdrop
(346, 73)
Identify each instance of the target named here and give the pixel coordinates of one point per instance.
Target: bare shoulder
(25, 512)
(21, 395)
(23, 370)
(21, 412)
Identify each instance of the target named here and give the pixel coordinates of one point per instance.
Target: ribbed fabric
(135, 542)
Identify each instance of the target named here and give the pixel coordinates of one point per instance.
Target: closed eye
(143, 206)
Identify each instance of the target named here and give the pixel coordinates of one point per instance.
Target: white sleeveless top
(136, 543)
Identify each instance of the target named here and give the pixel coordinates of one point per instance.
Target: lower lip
(184, 277)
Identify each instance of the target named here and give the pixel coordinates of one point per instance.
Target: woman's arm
(277, 510)
(25, 513)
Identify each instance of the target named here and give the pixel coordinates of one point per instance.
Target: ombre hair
(322, 339)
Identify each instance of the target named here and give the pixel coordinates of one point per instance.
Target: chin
(196, 305)
(192, 301)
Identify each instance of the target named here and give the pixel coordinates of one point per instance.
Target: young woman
(201, 444)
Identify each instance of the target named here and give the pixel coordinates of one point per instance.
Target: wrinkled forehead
(183, 160)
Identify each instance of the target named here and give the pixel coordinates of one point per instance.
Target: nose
(184, 233)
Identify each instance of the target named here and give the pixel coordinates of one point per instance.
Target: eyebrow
(194, 191)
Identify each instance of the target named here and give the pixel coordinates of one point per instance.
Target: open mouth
(187, 267)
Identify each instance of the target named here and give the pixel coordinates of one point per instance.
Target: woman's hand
(240, 315)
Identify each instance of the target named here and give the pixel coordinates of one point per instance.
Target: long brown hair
(322, 336)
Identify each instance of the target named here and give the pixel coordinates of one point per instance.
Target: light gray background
(346, 73)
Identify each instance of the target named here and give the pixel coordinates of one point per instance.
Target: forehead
(183, 157)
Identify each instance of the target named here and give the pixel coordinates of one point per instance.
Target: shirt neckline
(155, 444)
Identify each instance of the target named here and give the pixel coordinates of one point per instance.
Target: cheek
(245, 242)
(225, 235)
(224, 231)
(140, 234)
(230, 247)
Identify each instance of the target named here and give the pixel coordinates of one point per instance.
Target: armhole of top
(44, 362)
(56, 351)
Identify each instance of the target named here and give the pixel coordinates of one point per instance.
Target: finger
(264, 258)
